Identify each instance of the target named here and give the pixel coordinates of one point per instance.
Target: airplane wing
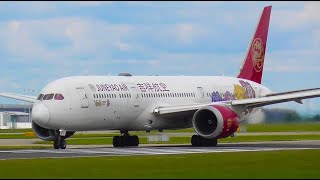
(26, 98)
(269, 99)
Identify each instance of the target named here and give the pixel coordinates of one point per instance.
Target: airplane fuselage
(127, 102)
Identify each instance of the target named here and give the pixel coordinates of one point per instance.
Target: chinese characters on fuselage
(112, 87)
(144, 87)
(153, 87)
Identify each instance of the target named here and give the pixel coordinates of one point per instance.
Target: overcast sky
(44, 41)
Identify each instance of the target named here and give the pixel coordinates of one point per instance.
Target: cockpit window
(48, 97)
(40, 96)
(58, 97)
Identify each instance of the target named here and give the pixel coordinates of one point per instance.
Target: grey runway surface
(156, 150)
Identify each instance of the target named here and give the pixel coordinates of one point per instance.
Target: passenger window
(40, 96)
(58, 97)
(48, 97)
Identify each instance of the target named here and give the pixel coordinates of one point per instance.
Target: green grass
(186, 140)
(282, 127)
(15, 130)
(271, 164)
(24, 147)
(15, 136)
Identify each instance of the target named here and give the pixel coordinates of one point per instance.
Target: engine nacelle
(47, 134)
(215, 122)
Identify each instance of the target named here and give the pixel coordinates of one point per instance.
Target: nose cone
(40, 114)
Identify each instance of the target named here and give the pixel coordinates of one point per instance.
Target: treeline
(296, 117)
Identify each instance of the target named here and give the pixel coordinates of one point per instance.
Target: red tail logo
(252, 66)
(257, 54)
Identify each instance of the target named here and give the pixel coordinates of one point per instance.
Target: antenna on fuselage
(124, 74)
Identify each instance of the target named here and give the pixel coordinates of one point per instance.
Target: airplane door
(135, 98)
(201, 93)
(83, 97)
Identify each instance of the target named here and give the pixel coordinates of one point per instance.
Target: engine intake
(215, 122)
(47, 134)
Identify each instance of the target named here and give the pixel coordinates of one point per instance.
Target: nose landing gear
(60, 142)
(125, 140)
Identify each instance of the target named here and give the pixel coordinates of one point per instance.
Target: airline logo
(92, 87)
(229, 124)
(257, 54)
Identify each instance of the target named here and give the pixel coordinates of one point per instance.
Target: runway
(156, 150)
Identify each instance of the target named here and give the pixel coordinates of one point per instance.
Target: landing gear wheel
(63, 144)
(59, 144)
(135, 141)
(116, 140)
(200, 141)
(213, 142)
(56, 144)
(195, 140)
(122, 141)
(125, 141)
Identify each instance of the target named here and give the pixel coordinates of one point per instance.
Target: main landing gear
(200, 141)
(125, 140)
(59, 142)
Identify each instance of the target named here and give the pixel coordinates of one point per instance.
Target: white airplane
(212, 105)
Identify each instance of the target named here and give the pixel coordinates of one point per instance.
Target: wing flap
(174, 109)
(182, 108)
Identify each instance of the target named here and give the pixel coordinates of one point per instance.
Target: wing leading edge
(296, 96)
(20, 97)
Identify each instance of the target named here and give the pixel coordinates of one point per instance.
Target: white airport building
(15, 116)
